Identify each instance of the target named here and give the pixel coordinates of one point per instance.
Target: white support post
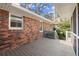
(66, 35)
(77, 29)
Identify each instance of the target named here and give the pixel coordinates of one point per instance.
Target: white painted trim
(67, 32)
(66, 35)
(40, 31)
(14, 28)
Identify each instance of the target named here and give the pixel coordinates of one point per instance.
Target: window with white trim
(15, 22)
(41, 27)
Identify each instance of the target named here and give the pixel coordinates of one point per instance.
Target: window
(41, 27)
(15, 22)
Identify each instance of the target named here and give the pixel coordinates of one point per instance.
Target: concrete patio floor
(44, 47)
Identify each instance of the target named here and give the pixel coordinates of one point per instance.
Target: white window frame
(15, 28)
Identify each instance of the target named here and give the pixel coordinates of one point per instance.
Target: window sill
(40, 31)
(14, 28)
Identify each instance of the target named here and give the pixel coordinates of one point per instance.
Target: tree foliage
(43, 9)
(63, 26)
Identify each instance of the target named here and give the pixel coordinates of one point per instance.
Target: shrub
(62, 28)
(61, 34)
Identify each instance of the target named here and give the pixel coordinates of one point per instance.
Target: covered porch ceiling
(65, 10)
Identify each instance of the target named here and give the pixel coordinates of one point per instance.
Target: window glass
(19, 24)
(41, 26)
(15, 22)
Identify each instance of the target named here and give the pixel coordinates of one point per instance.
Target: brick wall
(47, 26)
(10, 39)
(4, 40)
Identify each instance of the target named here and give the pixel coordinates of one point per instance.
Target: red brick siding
(32, 28)
(47, 26)
(13, 38)
(4, 40)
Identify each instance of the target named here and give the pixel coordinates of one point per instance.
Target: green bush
(61, 34)
(62, 28)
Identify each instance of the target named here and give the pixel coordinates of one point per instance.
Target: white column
(66, 35)
(77, 29)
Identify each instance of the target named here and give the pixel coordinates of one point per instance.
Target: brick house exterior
(10, 39)
(47, 26)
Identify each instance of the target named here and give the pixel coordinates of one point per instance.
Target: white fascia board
(30, 12)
